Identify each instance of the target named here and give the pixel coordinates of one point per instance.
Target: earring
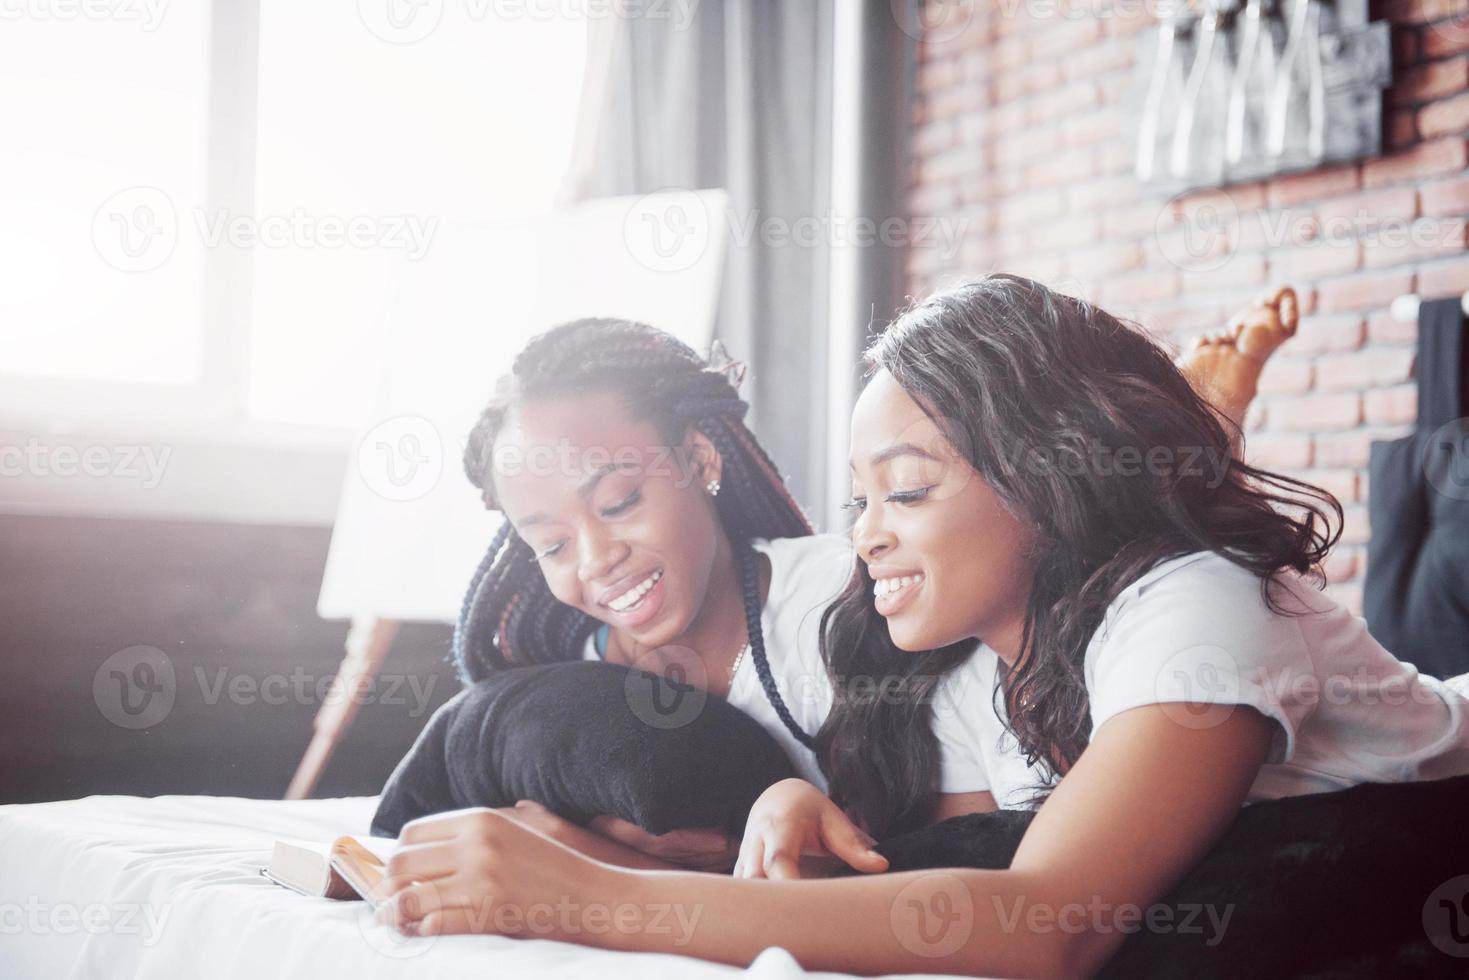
(712, 487)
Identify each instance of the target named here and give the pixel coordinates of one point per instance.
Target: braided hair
(509, 616)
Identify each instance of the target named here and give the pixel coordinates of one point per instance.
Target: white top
(1197, 629)
(806, 575)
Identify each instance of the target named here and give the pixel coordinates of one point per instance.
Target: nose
(870, 536)
(600, 552)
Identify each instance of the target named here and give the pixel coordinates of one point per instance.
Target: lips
(635, 600)
(893, 588)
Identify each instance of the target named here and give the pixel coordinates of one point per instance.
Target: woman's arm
(691, 850)
(1138, 809)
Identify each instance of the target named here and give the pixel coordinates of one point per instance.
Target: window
(201, 210)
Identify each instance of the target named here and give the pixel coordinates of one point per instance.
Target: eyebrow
(900, 449)
(586, 486)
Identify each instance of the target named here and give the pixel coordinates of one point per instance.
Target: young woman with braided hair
(645, 524)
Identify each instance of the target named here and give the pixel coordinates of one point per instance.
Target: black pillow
(1332, 884)
(587, 738)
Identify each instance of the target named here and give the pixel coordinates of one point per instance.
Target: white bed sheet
(122, 886)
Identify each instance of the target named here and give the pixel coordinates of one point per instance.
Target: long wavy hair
(509, 616)
(1014, 372)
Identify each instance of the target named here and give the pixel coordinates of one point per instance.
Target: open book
(348, 867)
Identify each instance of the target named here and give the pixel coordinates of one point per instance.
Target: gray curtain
(739, 98)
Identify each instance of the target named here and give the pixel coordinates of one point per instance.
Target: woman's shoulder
(822, 556)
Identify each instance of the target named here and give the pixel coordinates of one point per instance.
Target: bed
(169, 887)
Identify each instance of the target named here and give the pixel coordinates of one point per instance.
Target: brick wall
(1021, 138)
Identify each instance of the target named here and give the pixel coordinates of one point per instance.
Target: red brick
(936, 198)
(1402, 129)
(1284, 192)
(1392, 406)
(1326, 333)
(1384, 328)
(1105, 56)
(1315, 261)
(1065, 234)
(1128, 18)
(1363, 292)
(1434, 80)
(1445, 117)
(1286, 376)
(1344, 448)
(1102, 193)
(1278, 452)
(1130, 222)
(1354, 525)
(1420, 240)
(1115, 157)
(1404, 45)
(1429, 159)
(1446, 197)
(1061, 168)
(934, 137)
(1011, 52)
(1063, 101)
(1063, 36)
(1420, 11)
(1093, 127)
(1240, 269)
(1444, 278)
(1344, 485)
(1141, 287)
(1447, 37)
(1028, 144)
(1364, 369)
(1027, 208)
(1316, 413)
(1367, 209)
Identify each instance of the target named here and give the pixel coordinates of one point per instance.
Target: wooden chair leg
(368, 641)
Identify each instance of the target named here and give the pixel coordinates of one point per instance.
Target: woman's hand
(696, 849)
(793, 819)
(540, 818)
(482, 870)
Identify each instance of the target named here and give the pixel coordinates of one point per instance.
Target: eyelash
(859, 504)
(621, 507)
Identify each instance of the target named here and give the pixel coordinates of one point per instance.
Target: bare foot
(1224, 367)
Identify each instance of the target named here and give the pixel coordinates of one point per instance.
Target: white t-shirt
(1197, 629)
(806, 576)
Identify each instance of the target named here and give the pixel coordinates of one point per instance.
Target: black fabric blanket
(584, 739)
(1328, 885)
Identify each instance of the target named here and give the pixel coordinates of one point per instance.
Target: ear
(704, 462)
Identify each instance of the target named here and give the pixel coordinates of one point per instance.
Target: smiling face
(621, 524)
(948, 560)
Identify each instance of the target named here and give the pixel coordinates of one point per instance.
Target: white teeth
(634, 595)
(887, 586)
